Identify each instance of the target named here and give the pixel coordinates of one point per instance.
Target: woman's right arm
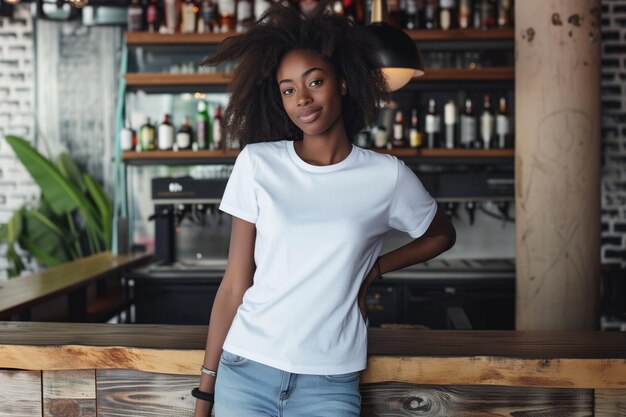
(237, 279)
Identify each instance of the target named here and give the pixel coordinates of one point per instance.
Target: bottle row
(212, 16)
(466, 129)
(206, 134)
(460, 130)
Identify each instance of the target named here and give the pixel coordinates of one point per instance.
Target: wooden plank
(137, 394)
(22, 293)
(71, 384)
(388, 342)
(480, 370)
(460, 74)
(146, 38)
(610, 403)
(394, 399)
(20, 393)
(69, 408)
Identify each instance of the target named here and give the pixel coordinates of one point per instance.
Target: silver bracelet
(208, 371)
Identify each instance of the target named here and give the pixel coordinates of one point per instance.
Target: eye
(286, 91)
(315, 81)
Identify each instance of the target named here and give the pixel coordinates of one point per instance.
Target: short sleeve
(239, 196)
(412, 208)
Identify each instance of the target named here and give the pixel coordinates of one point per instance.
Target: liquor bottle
(465, 14)
(504, 13)
(450, 120)
(217, 129)
(380, 137)
(244, 15)
(135, 16)
(486, 123)
(188, 17)
(416, 139)
(127, 138)
(171, 10)
(208, 13)
(432, 128)
(184, 137)
(398, 140)
(430, 14)
(447, 14)
(502, 125)
(393, 13)
(487, 14)
(203, 126)
(147, 136)
(411, 15)
(153, 18)
(468, 126)
(226, 10)
(166, 134)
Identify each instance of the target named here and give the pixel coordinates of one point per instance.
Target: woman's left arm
(439, 237)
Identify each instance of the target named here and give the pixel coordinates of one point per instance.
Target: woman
(309, 211)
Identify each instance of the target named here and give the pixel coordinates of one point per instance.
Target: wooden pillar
(557, 162)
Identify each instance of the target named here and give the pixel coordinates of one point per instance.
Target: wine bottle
(450, 121)
(184, 137)
(127, 137)
(217, 129)
(227, 15)
(447, 14)
(416, 139)
(502, 125)
(486, 123)
(244, 15)
(203, 124)
(411, 15)
(430, 14)
(432, 128)
(504, 13)
(398, 140)
(188, 17)
(147, 136)
(166, 134)
(468, 126)
(135, 16)
(465, 14)
(153, 18)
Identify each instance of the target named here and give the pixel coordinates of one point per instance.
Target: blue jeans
(245, 388)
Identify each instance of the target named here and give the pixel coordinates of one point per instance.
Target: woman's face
(309, 90)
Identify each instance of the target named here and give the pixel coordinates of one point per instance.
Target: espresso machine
(191, 238)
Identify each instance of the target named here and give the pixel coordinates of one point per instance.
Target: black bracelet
(201, 395)
(378, 276)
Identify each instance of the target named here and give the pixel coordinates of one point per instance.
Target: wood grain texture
(137, 394)
(403, 400)
(407, 342)
(610, 403)
(71, 384)
(20, 294)
(565, 373)
(20, 393)
(69, 408)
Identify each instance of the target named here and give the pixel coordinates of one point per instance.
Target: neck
(325, 149)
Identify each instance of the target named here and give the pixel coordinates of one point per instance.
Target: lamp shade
(398, 55)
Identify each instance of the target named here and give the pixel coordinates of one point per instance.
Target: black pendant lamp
(399, 57)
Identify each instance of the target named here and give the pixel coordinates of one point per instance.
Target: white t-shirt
(319, 232)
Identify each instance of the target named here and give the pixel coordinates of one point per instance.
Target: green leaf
(62, 196)
(16, 266)
(4, 232)
(45, 240)
(103, 204)
(70, 171)
(14, 226)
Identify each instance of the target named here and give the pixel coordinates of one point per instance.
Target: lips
(310, 114)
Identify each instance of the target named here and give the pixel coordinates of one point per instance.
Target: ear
(344, 89)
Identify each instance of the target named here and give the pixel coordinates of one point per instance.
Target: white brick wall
(17, 96)
(614, 132)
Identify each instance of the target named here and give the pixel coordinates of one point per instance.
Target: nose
(304, 98)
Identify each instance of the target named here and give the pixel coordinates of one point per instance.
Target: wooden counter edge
(476, 370)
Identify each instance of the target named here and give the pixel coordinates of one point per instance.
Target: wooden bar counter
(81, 369)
